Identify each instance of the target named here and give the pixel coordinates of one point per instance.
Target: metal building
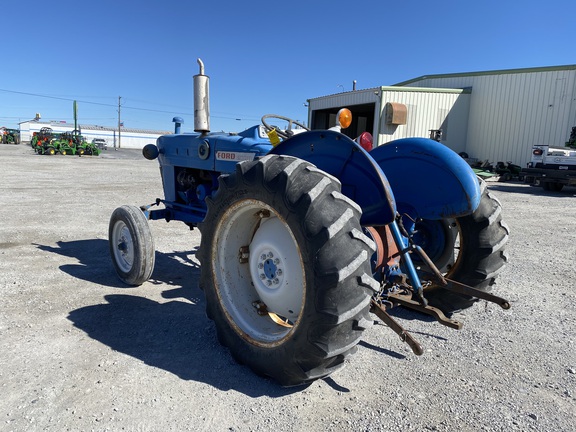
(128, 139)
(390, 113)
(502, 113)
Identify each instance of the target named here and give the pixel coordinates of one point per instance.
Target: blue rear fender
(429, 180)
(362, 179)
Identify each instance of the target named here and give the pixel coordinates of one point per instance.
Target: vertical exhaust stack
(201, 101)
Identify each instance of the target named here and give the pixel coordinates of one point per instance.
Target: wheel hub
(272, 254)
(124, 246)
(270, 269)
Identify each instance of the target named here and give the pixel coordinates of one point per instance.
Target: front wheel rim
(123, 246)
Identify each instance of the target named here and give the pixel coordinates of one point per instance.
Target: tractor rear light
(537, 152)
(344, 118)
(365, 141)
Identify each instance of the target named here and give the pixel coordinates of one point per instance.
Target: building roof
(395, 88)
(491, 72)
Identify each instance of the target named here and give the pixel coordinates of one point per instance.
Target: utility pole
(119, 98)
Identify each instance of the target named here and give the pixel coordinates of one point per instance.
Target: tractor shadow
(175, 269)
(173, 335)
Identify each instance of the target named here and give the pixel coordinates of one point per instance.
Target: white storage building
(129, 138)
(492, 115)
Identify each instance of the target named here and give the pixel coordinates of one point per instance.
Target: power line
(53, 97)
(126, 107)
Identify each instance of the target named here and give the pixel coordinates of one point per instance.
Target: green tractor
(43, 141)
(84, 147)
(88, 148)
(10, 136)
(66, 144)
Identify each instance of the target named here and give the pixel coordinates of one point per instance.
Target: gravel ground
(79, 351)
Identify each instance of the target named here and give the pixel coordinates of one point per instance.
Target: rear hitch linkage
(412, 296)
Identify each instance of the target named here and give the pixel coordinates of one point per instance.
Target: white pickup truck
(552, 167)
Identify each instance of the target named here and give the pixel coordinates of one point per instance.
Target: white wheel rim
(272, 275)
(275, 269)
(123, 246)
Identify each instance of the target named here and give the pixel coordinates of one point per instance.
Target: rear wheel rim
(441, 240)
(272, 276)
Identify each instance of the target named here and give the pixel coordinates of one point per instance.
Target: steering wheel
(284, 134)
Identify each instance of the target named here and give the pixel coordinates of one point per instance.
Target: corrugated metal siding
(427, 110)
(511, 112)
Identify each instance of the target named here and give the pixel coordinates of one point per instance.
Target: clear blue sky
(262, 57)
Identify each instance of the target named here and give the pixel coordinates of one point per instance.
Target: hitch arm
(428, 310)
(380, 311)
(460, 288)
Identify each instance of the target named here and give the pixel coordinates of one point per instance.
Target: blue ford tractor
(304, 233)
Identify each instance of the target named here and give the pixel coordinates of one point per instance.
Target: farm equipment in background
(88, 148)
(46, 142)
(305, 232)
(9, 136)
(42, 141)
(552, 167)
(66, 143)
(508, 171)
(75, 143)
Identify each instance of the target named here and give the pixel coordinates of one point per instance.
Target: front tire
(131, 245)
(285, 269)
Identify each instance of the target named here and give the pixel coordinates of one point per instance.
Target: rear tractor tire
(131, 245)
(285, 269)
(472, 251)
